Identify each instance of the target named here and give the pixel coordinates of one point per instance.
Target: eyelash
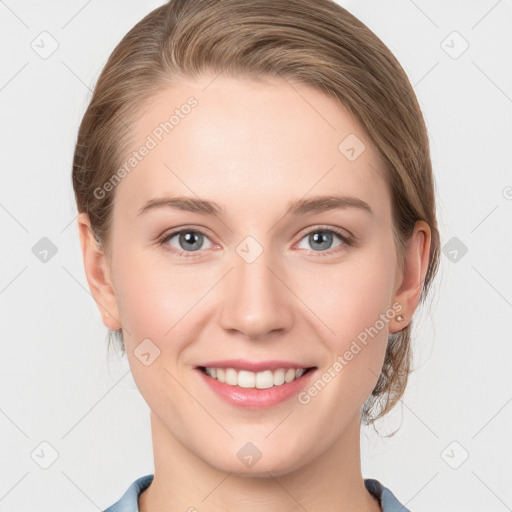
(347, 241)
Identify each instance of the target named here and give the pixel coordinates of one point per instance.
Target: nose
(256, 301)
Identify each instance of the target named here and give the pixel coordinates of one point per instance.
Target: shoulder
(388, 501)
(128, 501)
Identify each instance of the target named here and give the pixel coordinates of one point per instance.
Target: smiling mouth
(259, 380)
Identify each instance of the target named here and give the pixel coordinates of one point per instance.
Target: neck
(183, 482)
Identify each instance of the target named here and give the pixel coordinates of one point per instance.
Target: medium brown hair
(319, 44)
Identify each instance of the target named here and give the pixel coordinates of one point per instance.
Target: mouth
(251, 384)
(247, 379)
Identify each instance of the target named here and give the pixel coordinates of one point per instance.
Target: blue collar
(128, 502)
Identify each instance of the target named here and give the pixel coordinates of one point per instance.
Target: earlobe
(414, 271)
(98, 275)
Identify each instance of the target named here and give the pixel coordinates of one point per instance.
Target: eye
(191, 240)
(321, 239)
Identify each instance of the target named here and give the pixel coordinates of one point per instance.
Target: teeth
(231, 377)
(259, 380)
(247, 379)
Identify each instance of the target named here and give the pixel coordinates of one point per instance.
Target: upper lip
(253, 366)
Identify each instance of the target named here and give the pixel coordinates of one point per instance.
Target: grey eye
(321, 239)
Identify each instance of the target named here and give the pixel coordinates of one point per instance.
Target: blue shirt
(128, 502)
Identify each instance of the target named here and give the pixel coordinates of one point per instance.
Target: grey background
(58, 388)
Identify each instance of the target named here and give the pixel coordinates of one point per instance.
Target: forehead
(247, 145)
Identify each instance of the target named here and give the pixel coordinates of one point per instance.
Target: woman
(257, 220)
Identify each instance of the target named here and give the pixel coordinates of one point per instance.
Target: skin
(252, 147)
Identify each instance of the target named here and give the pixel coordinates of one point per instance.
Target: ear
(98, 274)
(410, 280)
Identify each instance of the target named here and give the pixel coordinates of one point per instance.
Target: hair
(319, 44)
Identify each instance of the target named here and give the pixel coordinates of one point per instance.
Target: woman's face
(266, 279)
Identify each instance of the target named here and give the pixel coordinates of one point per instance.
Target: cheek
(157, 303)
(161, 301)
(150, 294)
(351, 297)
(355, 305)
(357, 310)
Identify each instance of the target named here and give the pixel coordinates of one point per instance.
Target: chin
(275, 465)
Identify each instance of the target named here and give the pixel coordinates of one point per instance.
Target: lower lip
(254, 398)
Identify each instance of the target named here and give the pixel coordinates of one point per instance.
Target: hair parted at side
(319, 44)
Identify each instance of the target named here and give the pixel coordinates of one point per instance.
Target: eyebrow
(316, 204)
